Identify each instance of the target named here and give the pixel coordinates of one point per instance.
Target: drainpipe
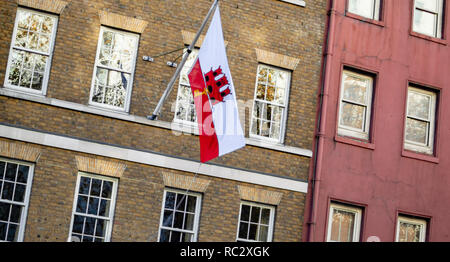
(321, 120)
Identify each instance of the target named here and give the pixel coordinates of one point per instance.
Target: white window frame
(413, 221)
(271, 221)
(45, 79)
(126, 107)
(439, 18)
(110, 217)
(198, 204)
(25, 204)
(285, 107)
(348, 131)
(177, 102)
(376, 10)
(428, 147)
(346, 208)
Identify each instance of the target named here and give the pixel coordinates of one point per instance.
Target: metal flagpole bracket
(169, 88)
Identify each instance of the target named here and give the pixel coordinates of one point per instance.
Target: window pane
(347, 224)
(2, 169)
(3, 229)
(416, 131)
(243, 230)
(265, 128)
(165, 236)
(185, 110)
(189, 221)
(181, 202)
(282, 80)
(425, 22)
(277, 114)
(270, 93)
(262, 74)
(430, 5)
(78, 224)
(280, 96)
(85, 182)
(178, 222)
(47, 25)
(93, 206)
(7, 191)
(104, 208)
(19, 193)
(25, 79)
(89, 226)
(185, 104)
(4, 211)
(256, 126)
(16, 212)
(263, 233)
(245, 213)
(362, 7)
(21, 38)
(353, 115)
(355, 89)
(82, 204)
(107, 189)
(168, 218)
(170, 200)
(87, 239)
(175, 237)
(44, 43)
(261, 91)
(256, 211)
(275, 134)
(22, 175)
(96, 187)
(13, 233)
(186, 237)
(117, 50)
(342, 226)
(267, 112)
(419, 105)
(11, 170)
(191, 204)
(271, 77)
(100, 229)
(409, 232)
(265, 216)
(253, 230)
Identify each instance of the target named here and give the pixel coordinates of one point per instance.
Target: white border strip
(176, 127)
(295, 2)
(152, 159)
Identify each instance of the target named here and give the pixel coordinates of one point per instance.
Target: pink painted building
(381, 165)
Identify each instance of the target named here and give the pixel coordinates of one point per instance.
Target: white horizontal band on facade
(295, 2)
(141, 120)
(149, 158)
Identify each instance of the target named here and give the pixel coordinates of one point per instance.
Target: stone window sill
(419, 156)
(365, 19)
(429, 38)
(354, 142)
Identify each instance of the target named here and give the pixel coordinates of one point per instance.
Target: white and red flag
(214, 97)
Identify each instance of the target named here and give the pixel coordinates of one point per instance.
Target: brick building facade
(381, 162)
(79, 160)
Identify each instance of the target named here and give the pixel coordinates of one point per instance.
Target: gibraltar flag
(214, 96)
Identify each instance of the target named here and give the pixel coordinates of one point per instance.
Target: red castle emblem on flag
(214, 86)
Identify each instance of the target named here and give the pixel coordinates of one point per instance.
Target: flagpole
(180, 66)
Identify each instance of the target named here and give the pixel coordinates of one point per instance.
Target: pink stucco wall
(380, 176)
